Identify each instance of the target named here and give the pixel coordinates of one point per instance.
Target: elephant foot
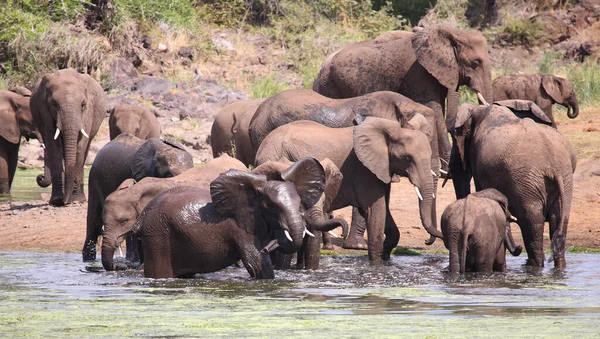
(57, 200)
(78, 197)
(560, 263)
(355, 242)
(4, 187)
(327, 245)
(89, 251)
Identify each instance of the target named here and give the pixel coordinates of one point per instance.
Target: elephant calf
(476, 230)
(543, 89)
(183, 232)
(135, 120)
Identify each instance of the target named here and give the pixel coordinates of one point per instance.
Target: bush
(267, 87)
(519, 31)
(586, 80)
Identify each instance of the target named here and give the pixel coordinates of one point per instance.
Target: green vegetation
(401, 250)
(578, 249)
(266, 87)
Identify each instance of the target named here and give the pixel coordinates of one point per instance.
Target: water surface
(53, 294)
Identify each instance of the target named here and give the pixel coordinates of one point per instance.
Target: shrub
(267, 87)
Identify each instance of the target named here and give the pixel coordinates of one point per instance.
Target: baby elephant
(543, 89)
(476, 230)
(135, 120)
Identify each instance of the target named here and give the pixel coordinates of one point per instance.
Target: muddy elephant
(511, 146)
(123, 206)
(229, 133)
(427, 67)
(477, 232)
(135, 120)
(305, 104)
(16, 121)
(67, 108)
(246, 216)
(317, 217)
(367, 156)
(122, 158)
(543, 89)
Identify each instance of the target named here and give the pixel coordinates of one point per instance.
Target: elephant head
(15, 118)
(269, 208)
(316, 216)
(21, 90)
(455, 57)
(385, 148)
(561, 92)
(161, 158)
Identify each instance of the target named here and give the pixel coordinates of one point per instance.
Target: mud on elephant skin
(16, 121)
(229, 133)
(248, 216)
(535, 175)
(67, 108)
(135, 120)
(122, 158)
(477, 233)
(367, 156)
(317, 217)
(542, 89)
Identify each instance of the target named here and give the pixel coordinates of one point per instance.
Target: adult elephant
(512, 147)
(367, 156)
(305, 104)
(67, 108)
(16, 121)
(127, 157)
(543, 89)
(135, 120)
(229, 133)
(427, 67)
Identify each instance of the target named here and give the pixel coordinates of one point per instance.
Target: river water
(56, 295)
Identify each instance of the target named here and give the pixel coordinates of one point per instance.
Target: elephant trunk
(509, 242)
(70, 137)
(44, 180)
(451, 110)
(423, 182)
(295, 227)
(317, 220)
(109, 245)
(572, 104)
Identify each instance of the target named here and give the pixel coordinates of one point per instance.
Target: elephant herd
(378, 110)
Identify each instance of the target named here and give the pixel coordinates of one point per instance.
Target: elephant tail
(559, 235)
(462, 251)
(234, 128)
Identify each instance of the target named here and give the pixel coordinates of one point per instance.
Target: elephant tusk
(444, 161)
(444, 172)
(309, 234)
(332, 234)
(43, 146)
(513, 218)
(287, 235)
(480, 97)
(120, 251)
(433, 173)
(418, 193)
(433, 194)
(84, 134)
(57, 133)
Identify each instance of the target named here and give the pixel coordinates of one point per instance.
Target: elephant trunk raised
(574, 105)
(423, 182)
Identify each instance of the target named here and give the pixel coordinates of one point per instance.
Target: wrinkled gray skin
(305, 104)
(15, 122)
(477, 233)
(127, 157)
(123, 206)
(317, 217)
(511, 146)
(74, 104)
(184, 233)
(135, 120)
(426, 66)
(543, 89)
(229, 133)
(367, 156)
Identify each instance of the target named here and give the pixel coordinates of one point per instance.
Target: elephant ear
(127, 184)
(272, 169)
(554, 88)
(497, 196)
(333, 182)
(463, 116)
(143, 163)
(236, 194)
(420, 123)
(371, 148)
(434, 49)
(525, 109)
(9, 128)
(308, 176)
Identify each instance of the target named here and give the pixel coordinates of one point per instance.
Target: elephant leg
(559, 252)
(53, 160)
(533, 237)
(133, 244)
(94, 229)
(78, 193)
(13, 158)
(461, 179)
(281, 261)
(355, 239)
(258, 265)
(301, 254)
(444, 145)
(4, 165)
(500, 260)
(312, 252)
(327, 244)
(392, 236)
(376, 217)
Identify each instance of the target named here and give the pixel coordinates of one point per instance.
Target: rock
(162, 48)
(122, 73)
(186, 52)
(254, 60)
(152, 85)
(222, 44)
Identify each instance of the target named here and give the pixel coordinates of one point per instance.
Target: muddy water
(53, 294)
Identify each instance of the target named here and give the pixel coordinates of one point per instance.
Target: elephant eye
(476, 63)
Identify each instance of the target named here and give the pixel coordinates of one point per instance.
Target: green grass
(267, 87)
(405, 251)
(578, 249)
